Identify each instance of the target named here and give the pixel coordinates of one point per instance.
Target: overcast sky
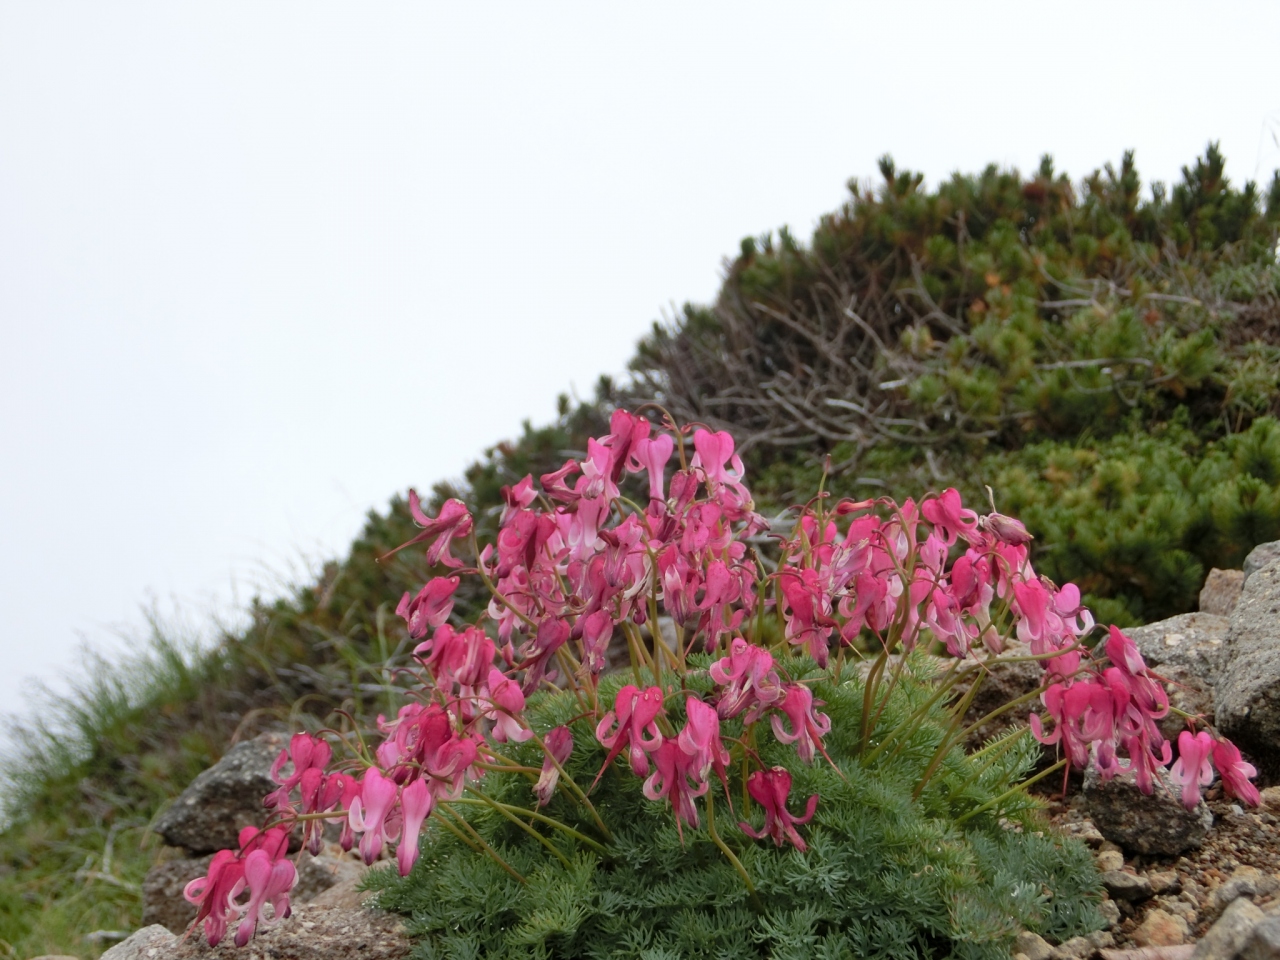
(264, 265)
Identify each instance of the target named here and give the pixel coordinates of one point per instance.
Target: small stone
(1264, 942)
(1110, 912)
(1164, 881)
(1243, 882)
(1109, 860)
(55, 956)
(1033, 946)
(1225, 938)
(1126, 886)
(1083, 947)
(1221, 591)
(1271, 799)
(1161, 929)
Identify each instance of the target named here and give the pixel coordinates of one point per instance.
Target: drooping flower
(1192, 770)
(415, 806)
(269, 878)
(700, 739)
(749, 679)
(808, 727)
(370, 811)
(634, 714)
(1235, 773)
(670, 780)
(306, 753)
(430, 608)
(508, 708)
(559, 745)
(770, 789)
(452, 523)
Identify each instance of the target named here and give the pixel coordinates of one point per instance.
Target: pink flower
(948, 515)
(369, 813)
(215, 893)
(714, 454)
(415, 806)
(770, 789)
(652, 455)
(700, 739)
(430, 608)
(508, 706)
(597, 631)
(260, 864)
(808, 727)
(808, 621)
(269, 879)
(559, 745)
(453, 523)
(747, 673)
(673, 769)
(1236, 773)
(1192, 770)
(307, 753)
(635, 714)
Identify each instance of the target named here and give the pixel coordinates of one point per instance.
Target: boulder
(209, 814)
(1260, 556)
(162, 900)
(1189, 692)
(1196, 641)
(1263, 942)
(1225, 938)
(1247, 692)
(1148, 824)
(1220, 592)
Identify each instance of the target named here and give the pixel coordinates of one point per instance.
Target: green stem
(534, 814)
(949, 738)
(729, 854)
(493, 854)
(1008, 793)
(501, 808)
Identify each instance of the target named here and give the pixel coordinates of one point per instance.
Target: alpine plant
(579, 571)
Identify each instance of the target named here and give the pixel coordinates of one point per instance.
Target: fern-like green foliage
(885, 875)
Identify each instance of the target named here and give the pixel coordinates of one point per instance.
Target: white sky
(263, 265)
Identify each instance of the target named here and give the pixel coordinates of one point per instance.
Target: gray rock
(1033, 946)
(162, 900)
(1225, 938)
(1260, 556)
(1221, 590)
(1196, 641)
(320, 873)
(1189, 692)
(149, 943)
(1126, 886)
(1154, 824)
(1244, 881)
(312, 933)
(1083, 947)
(1264, 942)
(1247, 692)
(210, 813)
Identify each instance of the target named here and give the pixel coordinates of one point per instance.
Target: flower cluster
(641, 545)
